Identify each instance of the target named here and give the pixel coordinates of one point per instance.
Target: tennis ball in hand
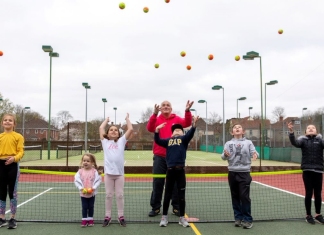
(1, 53)
(145, 9)
(183, 53)
(84, 191)
(237, 58)
(188, 67)
(156, 66)
(89, 190)
(210, 57)
(280, 31)
(121, 5)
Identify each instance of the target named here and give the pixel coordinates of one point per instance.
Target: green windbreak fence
(288, 154)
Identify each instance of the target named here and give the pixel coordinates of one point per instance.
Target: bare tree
(278, 112)
(145, 116)
(5, 106)
(214, 118)
(63, 118)
(256, 116)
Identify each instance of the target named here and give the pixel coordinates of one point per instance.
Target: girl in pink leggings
(113, 145)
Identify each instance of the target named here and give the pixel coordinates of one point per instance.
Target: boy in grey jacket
(238, 152)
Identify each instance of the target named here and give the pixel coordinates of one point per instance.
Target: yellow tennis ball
(183, 53)
(84, 191)
(121, 5)
(156, 66)
(237, 58)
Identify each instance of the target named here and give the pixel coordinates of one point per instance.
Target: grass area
(140, 158)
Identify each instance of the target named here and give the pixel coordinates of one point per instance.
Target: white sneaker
(184, 222)
(164, 221)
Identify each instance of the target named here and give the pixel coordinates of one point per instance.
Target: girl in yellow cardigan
(11, 151)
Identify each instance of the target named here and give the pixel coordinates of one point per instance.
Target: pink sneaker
(90, 223)
(84, 223)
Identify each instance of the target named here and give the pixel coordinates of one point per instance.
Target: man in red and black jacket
(159, 153)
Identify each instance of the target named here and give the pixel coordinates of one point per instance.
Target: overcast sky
(115, 51)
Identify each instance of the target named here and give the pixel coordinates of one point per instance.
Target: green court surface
(141, 158)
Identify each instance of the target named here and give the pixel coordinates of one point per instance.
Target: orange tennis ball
(167, 1)
(145, 9)
(280, 31)
(122, 5)
(210, 57)
(1, 53)
(188, 67)
(156, 66)
(237, 58)
(89, 190)
(183, 53)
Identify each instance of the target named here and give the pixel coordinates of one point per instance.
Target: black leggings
(8, 177)
(175, 176)
(313, 183)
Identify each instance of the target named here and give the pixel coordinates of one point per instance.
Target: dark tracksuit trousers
(239, 183)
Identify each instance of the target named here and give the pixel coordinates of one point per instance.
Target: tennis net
(51, 196)
(32, 153)
(95, 148)
(64, 151)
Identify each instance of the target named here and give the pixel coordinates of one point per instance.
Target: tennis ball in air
(145, 9)
(237, 58)
(1, 53)
(280, 31)
(156, 66)
(84, 191)
(210, 57)
(89, 190)
(188, 67)
(121, 5)
(167, 1)
(183, 53)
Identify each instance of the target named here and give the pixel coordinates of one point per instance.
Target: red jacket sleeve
(187, 120)
(151, 123)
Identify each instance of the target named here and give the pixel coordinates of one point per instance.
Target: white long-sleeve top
(87, 179)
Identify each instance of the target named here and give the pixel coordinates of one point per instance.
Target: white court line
(31, 199)
(282, 190)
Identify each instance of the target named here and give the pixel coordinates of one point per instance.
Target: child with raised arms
(113, 145)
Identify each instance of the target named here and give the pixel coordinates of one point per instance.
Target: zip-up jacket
(312, 151)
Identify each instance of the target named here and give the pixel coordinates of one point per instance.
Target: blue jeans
(160, 167)
(87, 206)
(239, 183)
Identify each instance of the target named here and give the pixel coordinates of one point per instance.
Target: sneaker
(238, 223)
(90, 223)
(184, 222)
(310, 219)
(154, 213)
(3, 222)
(84, 223)
(247, 225)
(121, 221)
(319, 219)
(164, 221)
(106, 222)
(176, 212)
(12, 223)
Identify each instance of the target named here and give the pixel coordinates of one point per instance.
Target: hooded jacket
(166, 132)
(312, 151)
(241, 151)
